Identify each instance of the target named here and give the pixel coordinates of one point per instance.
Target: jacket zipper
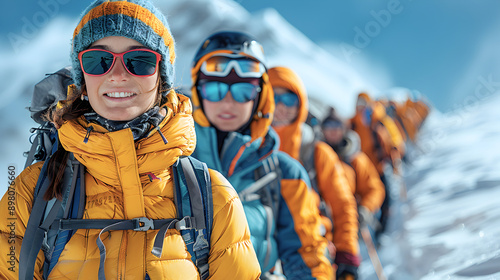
(122, 256)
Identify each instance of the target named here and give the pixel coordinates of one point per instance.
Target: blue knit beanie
(134, 19)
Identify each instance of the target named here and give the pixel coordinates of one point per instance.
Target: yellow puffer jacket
(118, 187)
(396, 138)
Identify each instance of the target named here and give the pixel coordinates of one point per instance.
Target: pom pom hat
(134, 19)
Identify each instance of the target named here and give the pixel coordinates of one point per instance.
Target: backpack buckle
(143, 224)
(184, 224)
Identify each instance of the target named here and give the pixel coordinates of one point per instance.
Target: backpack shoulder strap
(73, 204)
(307, 160)
(267, 188)
(269, 174)
(43, 143)
(193, 198)
(39, 233)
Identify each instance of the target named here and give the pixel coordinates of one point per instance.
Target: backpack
(52, 223)
(306, 155)
(266, 188)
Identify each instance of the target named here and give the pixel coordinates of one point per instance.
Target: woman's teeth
(226, 116)
(120, 94)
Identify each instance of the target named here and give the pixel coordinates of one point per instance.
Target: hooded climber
(363, 178)
(323, 165)
(123, 122)
(391, 109)
(234, 107)
(395, 147)
(371, 123)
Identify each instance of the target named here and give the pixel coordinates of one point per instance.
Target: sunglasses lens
(216, 91)
(141, 63)
(213, 91)
(244, 92)
(288, 99)
(96, 62)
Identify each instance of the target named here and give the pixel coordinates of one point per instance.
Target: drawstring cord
(157, 127)
(86, 139)
(161, 134)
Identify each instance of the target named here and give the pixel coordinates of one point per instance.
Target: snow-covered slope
(449, 229)
(191, 21)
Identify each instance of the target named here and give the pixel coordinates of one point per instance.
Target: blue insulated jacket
(294, 234)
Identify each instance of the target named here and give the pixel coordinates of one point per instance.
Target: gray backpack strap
(267, 188)
(194, 193)
(41, 219)
(105, 225)
(250, 193)
(56, 239)
(41, 147)
(307, 160)
(199, 188)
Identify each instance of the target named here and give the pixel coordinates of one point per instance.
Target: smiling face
(118, 95)
(228, 114)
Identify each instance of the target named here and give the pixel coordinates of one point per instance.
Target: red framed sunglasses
(138, 62)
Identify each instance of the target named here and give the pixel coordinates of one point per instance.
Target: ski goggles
(288, 99)
(221, 65)
(215, 91)
(138, 62)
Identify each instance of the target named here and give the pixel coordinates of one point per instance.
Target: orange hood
(378, 111)
(365, 96)
(290, 135)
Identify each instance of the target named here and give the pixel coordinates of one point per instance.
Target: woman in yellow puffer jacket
(123, 121)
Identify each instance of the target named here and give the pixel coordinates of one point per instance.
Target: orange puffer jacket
(362, 175)
(118, 187)
(376, 140)
(331, 178)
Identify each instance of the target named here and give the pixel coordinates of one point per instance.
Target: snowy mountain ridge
(450, 226)
(325, 76)
(190, 21)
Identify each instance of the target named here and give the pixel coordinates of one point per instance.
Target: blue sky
(425, 45)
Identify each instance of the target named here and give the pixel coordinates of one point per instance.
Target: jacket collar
(106, 153)
(239, 153)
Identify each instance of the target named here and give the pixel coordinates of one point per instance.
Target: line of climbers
(236, 187)
(346, 160)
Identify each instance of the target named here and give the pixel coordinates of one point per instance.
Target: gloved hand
(347, 272)
(347, 266)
